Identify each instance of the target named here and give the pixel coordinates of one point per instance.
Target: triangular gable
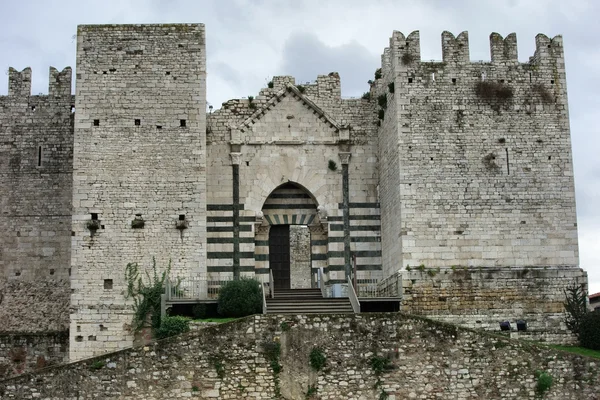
(290, 90)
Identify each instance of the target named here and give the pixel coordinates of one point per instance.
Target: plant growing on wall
(301, 88)
(93, 225)
(546, 96)
(332, 165)
(489, 90)
(317, 359)
(272, 351)
(544, 382)
(146, 295)
(366, 96)
(378, 74)
(270, 84)
(138, 222)
(251, 103)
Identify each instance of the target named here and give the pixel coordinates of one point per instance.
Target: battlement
(59, 83)
(455, 49)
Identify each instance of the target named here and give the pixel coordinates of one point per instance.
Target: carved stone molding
(235, 158)
(345, 158)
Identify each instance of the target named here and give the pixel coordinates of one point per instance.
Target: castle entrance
(279, 255)
(293, 236)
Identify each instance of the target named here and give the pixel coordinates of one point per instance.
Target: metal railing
(321, 283)
(371, 288)
(352, 296)
(199, 287)
(262, 289)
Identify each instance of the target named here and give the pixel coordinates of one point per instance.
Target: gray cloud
(305, 57)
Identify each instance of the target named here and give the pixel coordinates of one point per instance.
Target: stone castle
(453, 177)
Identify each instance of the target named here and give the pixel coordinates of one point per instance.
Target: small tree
(575, 306)
(240, 298)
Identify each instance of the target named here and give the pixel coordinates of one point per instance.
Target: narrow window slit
(507, 163)
(39, 156)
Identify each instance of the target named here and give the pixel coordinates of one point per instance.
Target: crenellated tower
(476, 168)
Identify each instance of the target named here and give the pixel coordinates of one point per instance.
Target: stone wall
(25, 352)
(483, 297)
(139, 154)
(485, 173)
(425, 359)
(36, 154)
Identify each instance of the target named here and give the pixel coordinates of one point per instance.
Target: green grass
(219, 320)
(577, 350)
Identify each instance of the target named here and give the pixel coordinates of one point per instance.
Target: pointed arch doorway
(293, 236)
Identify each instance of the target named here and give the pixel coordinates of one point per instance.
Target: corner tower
(139, 155)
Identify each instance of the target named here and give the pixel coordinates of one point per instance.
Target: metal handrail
(271, 284)
(199, 287)
(352, 296)
(321, 283)
(262, 289)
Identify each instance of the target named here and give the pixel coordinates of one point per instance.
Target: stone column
(235, 164)
(345, 160)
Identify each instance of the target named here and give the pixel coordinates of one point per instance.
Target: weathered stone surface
(34, 307)
(26, 352)
(426, 360)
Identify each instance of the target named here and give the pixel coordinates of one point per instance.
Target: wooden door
(279, 255)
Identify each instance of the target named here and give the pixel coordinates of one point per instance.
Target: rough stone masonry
(453, 177)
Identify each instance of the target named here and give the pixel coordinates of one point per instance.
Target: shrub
(199, 311)
(317, 359)
(493, 90)
(270, 85)
(589, 331)
(240, 298)
(366, 96)
(171, 326)
(378, 74)
(301, 88)
(544, 382)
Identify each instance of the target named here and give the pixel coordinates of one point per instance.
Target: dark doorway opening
(279, 255)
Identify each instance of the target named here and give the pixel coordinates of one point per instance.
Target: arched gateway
(291, 238)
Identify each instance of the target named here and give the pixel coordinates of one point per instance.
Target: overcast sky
(250, 41)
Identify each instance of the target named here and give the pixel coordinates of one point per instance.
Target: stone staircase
(306, 301)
